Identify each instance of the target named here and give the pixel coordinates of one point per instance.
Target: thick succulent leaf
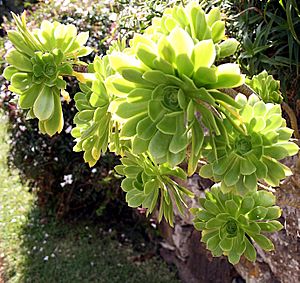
(159, 145)
(19, 43)
(127, 110)
(228, 47)
(206, 171)
(43, 107)
(232, 175)
(129, 129)
(257, 213)
(264, 198)
(273, 212)
(263, 242)
(250, 252)
(146, 128)
(228, 76)
(181, 41)
(204, 54)
(270, 226)
(281, 150)
(19, 61)
(213, 16)
(218, 31)
(56, 122)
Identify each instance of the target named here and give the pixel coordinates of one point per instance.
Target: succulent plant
(231, 224)
(146, 184)
(197, 24)
(162, 83)
(161, 101)
(94, 126)
(266, 87)
(243, 159)
(37, 66)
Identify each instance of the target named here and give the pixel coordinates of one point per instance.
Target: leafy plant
(37, 65)
(267, 87)
(241, 159)
(146, 183)
(228, 222)
(162, 101)
(65, 186)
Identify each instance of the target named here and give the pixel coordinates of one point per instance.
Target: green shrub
(65, 186)
(162, 101)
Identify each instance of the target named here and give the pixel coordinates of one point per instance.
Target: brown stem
(244, 89)
(294, 123)
(229, 91)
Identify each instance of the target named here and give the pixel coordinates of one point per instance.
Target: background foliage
(65, 185)
(269, 34)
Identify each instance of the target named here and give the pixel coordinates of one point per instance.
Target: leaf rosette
(38, 81)
(37, 66)
(161, 86)
(94, 125)
(230, 224)
(197, 24)
(147, 184)
(239, 160)
(266, 87)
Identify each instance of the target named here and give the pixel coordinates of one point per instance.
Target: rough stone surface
(182, 245)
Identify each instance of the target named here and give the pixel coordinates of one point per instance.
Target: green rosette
(231, 224)
(266, 87)
(38, 63)
(95, 128)
(147, 184)
(162, 84)
(197, 24)
(238, 160)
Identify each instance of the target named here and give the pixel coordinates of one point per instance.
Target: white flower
(46, 258)
(68, 179)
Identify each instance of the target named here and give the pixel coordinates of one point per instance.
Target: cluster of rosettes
(240, 160)
(230, 224)
(266, 87)
(146, 184)
(161, 100)
(94, 126)
(37, 66)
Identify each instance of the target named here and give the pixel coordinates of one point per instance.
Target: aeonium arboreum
(95, 128)
(38, 80)
(147, 184)
(266, 86)
(197, 24)
(230, 224)
(38, 63)
(241, 159)
(157, 103)
(161, 86)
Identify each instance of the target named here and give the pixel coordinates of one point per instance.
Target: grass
(44, 251)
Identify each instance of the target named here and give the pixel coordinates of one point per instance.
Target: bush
(64, 184)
